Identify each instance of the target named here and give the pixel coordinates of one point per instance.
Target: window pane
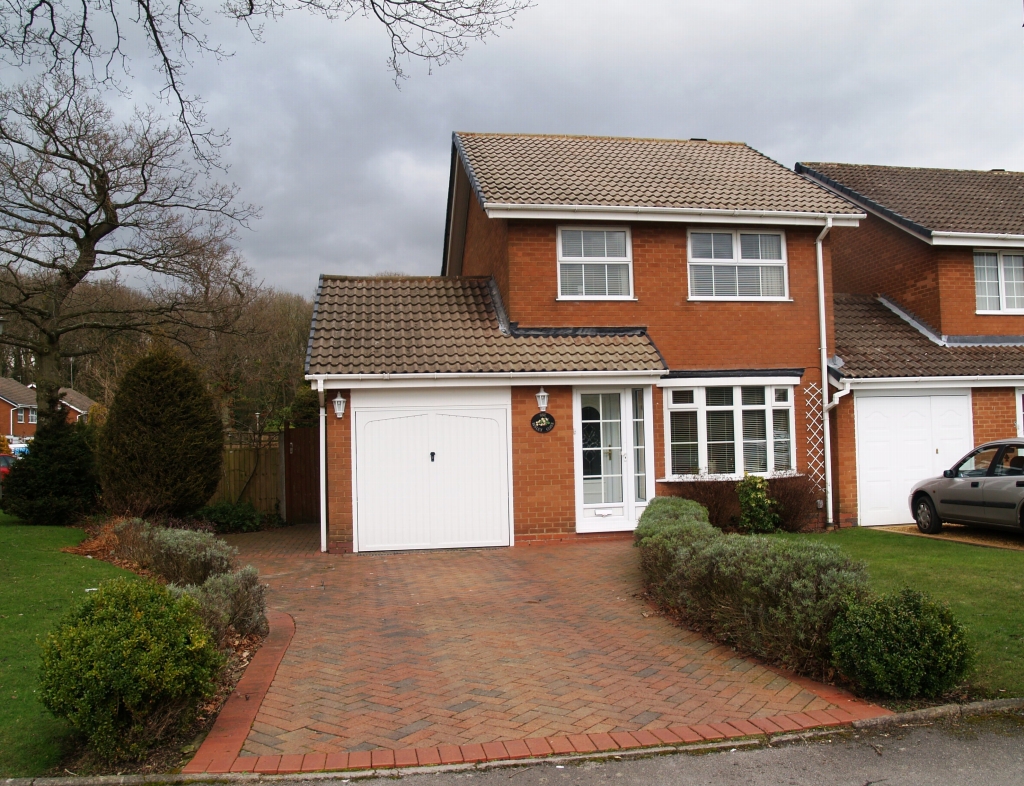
(682, 396)
(719, 397)
(725, 281)
(572, 243)
(701, 244)
(753, 397)
(781, 395)
(986, 281)
(761, 246)
(590, 403)
(1013, 270)
(593, 493)
(702, 283)
(755, 441)
(720, 427)
(783, 442)
(749, 280)
(616, 244)
(572, 280)
(594, 281)
(773, 281)
(683, 427)
(639, 448)
(610, 406)
(593, 243)
(750, 247)
(722, 458)
(723, 245)
(618, 279)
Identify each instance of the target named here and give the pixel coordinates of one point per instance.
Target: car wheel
(925, 516)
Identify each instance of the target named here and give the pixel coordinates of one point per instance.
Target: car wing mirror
(949, 473)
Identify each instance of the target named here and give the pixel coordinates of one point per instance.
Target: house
(18, 407)
(929, 326)
(613, 319)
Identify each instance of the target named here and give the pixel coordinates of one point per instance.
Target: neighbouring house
(614, 318)
(929, 327)
(18, 407)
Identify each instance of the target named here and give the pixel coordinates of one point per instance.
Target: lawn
(37, 584)
(984, 586)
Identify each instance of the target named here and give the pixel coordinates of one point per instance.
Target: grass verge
(983, 586)
(39, 583)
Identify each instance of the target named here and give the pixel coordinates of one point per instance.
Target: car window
(977, 464)
(1011, 462)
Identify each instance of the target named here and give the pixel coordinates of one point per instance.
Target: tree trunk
(48, 382)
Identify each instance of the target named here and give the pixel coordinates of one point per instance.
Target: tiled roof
(23, 396)
(450, 325)
(932, 200)
(79, 401)
(874, 341)
(522, 169)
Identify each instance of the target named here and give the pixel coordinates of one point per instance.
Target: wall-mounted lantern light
(339, 405)
(542, 400)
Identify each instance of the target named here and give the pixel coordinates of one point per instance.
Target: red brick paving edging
(220, 751)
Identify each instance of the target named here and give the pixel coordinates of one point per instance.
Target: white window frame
(1000, 253)
(699, 388)
(1018, 394)
(738, 261)
(21, 414)
(33, 415)
(560, 260)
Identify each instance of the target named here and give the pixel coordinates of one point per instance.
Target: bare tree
(91, 37)
(87, 203)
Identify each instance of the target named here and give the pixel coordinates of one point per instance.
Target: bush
(134, 542)
(185, 557)
(160, 451)
(796, 498)
(55, 483)
(718, 497)
(236, 600)
(901, 646)
(229, 517)
(757, 509)
(128, 666)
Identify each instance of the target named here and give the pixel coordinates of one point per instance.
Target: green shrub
(134, 541)
(160, 450)
(184, 557)
(128, 666)
(228, 517)
(237, 600)
(757, 509)
(796, 501)
(55, 483)
(901, 646)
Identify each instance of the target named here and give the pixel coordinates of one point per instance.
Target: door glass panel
(639, 443)
(976, 465)
(721, 442)
(602, 447)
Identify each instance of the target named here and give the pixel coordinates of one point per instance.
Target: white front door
(902, 440)
(614, 467)
(432, 478)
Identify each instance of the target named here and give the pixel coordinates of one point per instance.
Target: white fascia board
(973, 239)
(670, 214)
(725, 382)
(897, 383)
(576, 378)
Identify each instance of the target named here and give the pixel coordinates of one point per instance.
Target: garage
(903, 438)
(431, 470)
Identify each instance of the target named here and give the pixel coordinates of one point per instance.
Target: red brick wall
(543, 467)
(339, 478)
(486, 252)
(995, 414)
(844, 463)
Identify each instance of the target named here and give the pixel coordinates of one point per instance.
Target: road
(976, 752)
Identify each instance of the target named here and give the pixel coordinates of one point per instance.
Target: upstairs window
(21, 416)
(32, 415)
(594, 263)
(999, 281)
(737, 266)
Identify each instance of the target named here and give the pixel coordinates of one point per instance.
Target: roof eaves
(639, 213)
(312, 324)
(470, 173)
(862, 201)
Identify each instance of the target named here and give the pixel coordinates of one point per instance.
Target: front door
(613, 467)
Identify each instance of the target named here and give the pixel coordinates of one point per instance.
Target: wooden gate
(301, 449)
(250, 472)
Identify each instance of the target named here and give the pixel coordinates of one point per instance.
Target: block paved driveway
(416, 649)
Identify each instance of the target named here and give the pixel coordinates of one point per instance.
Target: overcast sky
(352, 173)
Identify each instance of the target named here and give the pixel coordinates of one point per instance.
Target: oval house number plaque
(542, 422)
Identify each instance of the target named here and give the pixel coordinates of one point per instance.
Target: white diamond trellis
(815, 435)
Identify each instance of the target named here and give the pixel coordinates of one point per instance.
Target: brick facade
(339, 479)
(995, 414)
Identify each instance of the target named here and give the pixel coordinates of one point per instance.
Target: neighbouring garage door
(431, 478)
(904, 439)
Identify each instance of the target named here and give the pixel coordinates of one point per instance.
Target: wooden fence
(251, 472)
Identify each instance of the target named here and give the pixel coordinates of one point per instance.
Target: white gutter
(323, 465)
(619, 212)
(823, 338)
(512, 376)
(999, 239)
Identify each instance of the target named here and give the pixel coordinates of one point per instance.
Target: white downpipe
(823, 338)
(323, 465)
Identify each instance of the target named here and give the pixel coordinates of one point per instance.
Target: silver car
(985, 488)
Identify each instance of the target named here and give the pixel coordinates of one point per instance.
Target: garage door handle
(974, 483)
(432, 458)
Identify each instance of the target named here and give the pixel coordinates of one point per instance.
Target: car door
(961, 497)
(1005, 488)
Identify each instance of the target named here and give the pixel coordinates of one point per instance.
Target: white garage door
(431, 478)
(904, 439)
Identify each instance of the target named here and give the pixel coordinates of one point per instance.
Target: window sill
(1012, 312)
(693, 478)
(742, 300)
(598, 297)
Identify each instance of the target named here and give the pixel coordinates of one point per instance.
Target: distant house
(18, 407)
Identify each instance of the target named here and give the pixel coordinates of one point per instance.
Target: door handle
(974, 483)
(432, 458)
